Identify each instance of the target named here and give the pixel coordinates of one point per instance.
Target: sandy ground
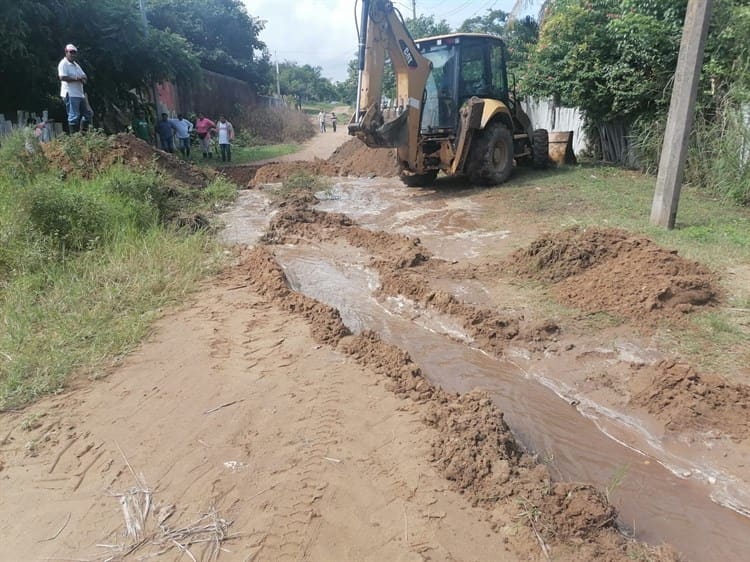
(250, 426)
(309, 458)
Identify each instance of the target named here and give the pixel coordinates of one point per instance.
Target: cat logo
(408, 57)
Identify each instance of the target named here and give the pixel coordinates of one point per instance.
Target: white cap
(71, 47)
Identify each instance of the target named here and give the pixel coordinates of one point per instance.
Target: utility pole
(681, 111)
(413, 9)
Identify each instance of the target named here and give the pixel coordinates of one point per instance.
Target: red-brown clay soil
(131, 151)
(472, 446)
(609, 270)
(633, 277)
(688, 400)
(352, 158)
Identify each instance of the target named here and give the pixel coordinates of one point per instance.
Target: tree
(494, 22)
(520, 36)
(220, 32)
(611, 58)
(115, 50)
(426, 26)
(305, 82)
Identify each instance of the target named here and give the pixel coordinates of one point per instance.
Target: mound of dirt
(557, 256)
(609, 270)
(136, 152)
(686, 400)
(354, 158)
(129, 150)
(278, 171)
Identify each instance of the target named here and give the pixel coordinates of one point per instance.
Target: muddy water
(654, 504)
(586, 443)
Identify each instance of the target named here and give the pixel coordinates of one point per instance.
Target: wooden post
(681, 110)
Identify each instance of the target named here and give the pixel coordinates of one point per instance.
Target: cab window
(499, 79)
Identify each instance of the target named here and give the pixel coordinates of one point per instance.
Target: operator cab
(463, 65)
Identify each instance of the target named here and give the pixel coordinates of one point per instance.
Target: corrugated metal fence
(544, 114)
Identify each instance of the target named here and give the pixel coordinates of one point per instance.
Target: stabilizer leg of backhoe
(470, 120)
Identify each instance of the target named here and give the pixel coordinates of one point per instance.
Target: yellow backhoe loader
(453, 110)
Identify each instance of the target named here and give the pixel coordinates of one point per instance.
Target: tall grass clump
(87, 259)
(719, 155)
(719, 149)
(21, 158)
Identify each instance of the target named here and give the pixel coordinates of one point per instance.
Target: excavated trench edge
(473, 447)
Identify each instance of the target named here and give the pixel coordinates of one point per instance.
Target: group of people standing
(72, 79)
(166, 130)
(322, 121)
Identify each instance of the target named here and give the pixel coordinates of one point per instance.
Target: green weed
(617, 479)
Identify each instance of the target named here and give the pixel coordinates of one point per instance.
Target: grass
(245, 154)
(710, 230)
(87, 263)
(77, 316)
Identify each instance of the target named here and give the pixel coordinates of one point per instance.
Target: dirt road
(263, 423)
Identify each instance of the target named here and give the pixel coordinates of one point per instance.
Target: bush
(78, 216)
(719, 150)
(268, 125)
(21, 157)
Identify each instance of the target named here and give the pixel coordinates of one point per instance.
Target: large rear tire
(540, 148)
(419, 180)
(491, 158)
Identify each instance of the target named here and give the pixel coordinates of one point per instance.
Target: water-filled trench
(654, 503)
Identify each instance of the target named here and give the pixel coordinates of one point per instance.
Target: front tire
(491, 158)
(419, 180)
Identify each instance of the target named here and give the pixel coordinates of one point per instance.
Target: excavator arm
(383, 36)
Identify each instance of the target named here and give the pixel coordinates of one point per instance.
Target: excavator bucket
(376, 133)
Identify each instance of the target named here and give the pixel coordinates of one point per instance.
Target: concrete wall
(213, 95)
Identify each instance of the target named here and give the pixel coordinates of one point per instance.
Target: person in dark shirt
(166, 129)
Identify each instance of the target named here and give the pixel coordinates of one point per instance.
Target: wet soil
(473, 447)
(609, 270)
(406, 269)
(278, 425)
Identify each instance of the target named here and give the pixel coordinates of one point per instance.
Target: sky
(323, 32)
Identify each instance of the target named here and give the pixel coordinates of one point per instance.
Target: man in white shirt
(183, 127)
(72, 79)
(226, 135)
